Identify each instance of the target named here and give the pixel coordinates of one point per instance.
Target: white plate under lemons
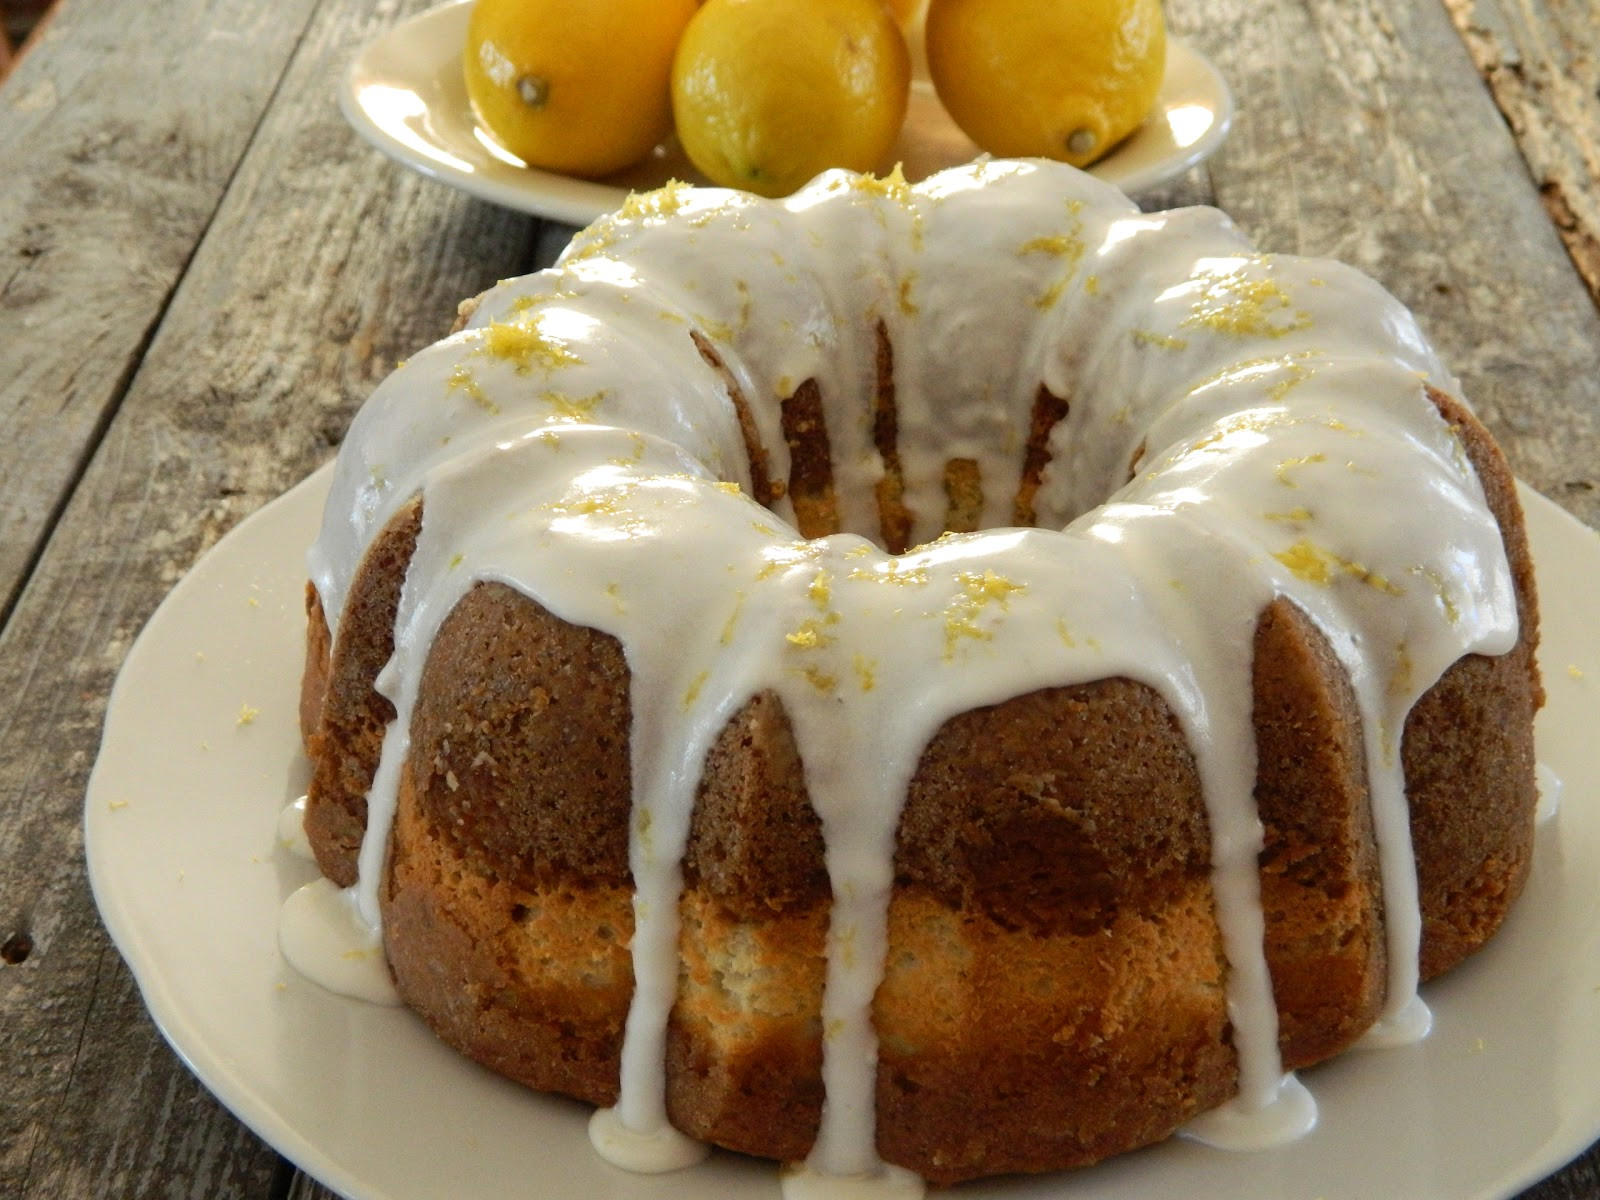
(404, 93)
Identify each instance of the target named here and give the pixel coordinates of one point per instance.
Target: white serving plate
(201, 753)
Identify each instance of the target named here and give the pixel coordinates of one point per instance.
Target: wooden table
(203, 273)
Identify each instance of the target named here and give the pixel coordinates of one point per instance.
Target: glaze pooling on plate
(1274, 411)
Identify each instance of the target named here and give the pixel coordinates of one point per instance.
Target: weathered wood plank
(1365, 134)
(241, 393)
(306, 1188)
(324, 265)
(154, 1132)
(1541, 59)
(108, 175)
(1579, 1181)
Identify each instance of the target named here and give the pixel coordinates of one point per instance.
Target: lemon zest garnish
(781, 558)
(1048, 298)
(820, 589)
(627, 460)
(525, 346)
(746, 305)
(462, 380)
(1239, 306)
(958, 625)
(978, 592)
(1162, 341)
(812, 634)
(1058, 245)
(1404, 669)
(1253, 421)
(595, 240)
(569, 409)
(1282, 469)
(891, 572)
(1292, 378)
(893, 185)
(693, 692)
(726, 637)
(1317, 565)
(660, 203)
(820, 679)
(644, 823)
(1441, 589)
(989, 586)
(907, 305)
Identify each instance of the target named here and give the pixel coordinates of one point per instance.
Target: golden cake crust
(1053, 987)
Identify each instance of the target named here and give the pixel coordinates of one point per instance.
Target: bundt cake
(939, 680)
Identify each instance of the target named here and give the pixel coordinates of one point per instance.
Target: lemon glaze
(573, 442)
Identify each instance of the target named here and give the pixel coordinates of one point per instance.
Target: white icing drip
(662, 1149)
(1550, 786)
(885, 1183)
(292, 829)
(1399, 1025)
(1287, 1113)
(1276, 410)
(322, 936)
(1403, 1010)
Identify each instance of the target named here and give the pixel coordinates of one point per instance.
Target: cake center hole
(810, 485)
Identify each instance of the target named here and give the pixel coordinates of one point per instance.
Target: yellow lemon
(768, 93)
(1064, 79)
(579, 86)
(905, 11)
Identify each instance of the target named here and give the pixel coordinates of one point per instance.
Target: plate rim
(170, 1009)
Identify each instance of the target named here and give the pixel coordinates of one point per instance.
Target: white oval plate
(404, 93)
(201, 752)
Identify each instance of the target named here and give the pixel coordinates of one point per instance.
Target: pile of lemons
(764, 94)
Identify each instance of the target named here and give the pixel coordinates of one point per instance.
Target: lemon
(769, 93)
(1063, 79)
(579, 86)
(905, 11)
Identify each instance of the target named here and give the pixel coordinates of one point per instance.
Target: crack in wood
(1552, 108)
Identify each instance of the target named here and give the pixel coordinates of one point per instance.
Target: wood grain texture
(324, 265)
(1542, 63)
(1365, 134)
(110, 177)
(199, 285)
